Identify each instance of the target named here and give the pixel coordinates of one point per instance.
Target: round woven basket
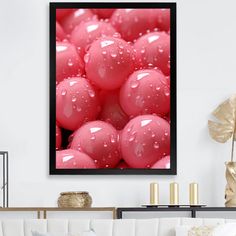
(74, 199)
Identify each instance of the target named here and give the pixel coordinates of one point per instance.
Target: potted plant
(221, 130)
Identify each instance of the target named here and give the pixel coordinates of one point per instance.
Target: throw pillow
(201, 231)
(187, 230)
(228, 229)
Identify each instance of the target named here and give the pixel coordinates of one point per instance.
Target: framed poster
(113, 88)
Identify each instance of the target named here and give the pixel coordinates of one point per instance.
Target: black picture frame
(52, 112)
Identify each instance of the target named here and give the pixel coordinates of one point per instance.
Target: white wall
(206, 76)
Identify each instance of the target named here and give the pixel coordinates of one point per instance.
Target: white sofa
(124, 227)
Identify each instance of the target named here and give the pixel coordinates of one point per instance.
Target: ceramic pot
(74, 199)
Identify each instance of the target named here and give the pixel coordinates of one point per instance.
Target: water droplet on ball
(63, 92)
(134, 84)
(86, 58)
(156, 145)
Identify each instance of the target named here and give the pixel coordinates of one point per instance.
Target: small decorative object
(222, 131)
(174, 194)
(4, 199)
(154, 193)
(193, 194)
(74, 199)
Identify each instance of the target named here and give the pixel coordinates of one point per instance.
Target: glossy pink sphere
(58, 137)
(164, 163)
(145, 140)
(61, 13)
(103, 12)
(87, 32)
(109, 62)
(75, 18)
(162, 19)
(145, 92)
(131, 23)
(60, 34)
(100, 141)
(153, 50)
(111, 111)
(72, 159)
(68, 62)
(76, 103)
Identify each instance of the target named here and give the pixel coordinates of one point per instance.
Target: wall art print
(112, 88)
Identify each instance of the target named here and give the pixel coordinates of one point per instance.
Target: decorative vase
(230, 191)
(74, 199)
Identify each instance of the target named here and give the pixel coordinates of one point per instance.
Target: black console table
(192, 210)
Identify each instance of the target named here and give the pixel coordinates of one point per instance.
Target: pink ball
(76, 103)
(145, 140)
(162, 19)
(72, 159)
(87, 32)
(111, 111)
(103, 12)
(58, 137)
(164, 163)
(60, 34)
(131, 23)
(68, 62)
(109, 62)
(61, 13)
(153, 50)
(145, 92)
(75, 18)
(100, 141)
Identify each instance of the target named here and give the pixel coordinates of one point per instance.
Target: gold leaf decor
(225, 113)
(222, 130)
(225, 127)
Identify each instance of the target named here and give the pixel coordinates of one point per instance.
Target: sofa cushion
(102, 227)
